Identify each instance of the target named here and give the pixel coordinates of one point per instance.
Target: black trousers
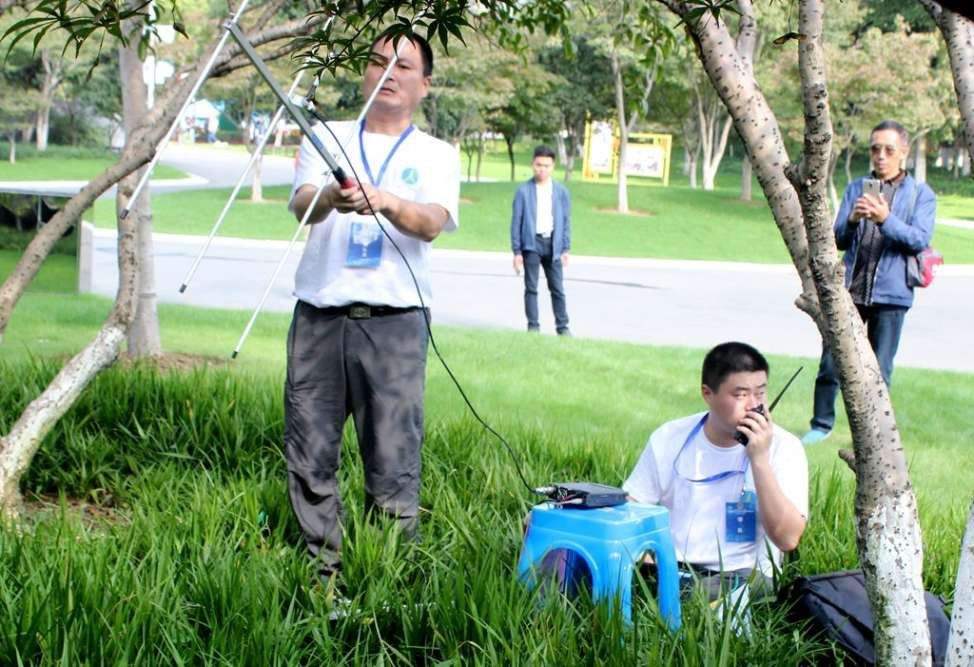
(533, 262)
(375, 370)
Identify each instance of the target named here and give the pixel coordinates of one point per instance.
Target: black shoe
(565, 332)
(534, 329)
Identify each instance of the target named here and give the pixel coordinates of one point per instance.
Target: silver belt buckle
(359, 312)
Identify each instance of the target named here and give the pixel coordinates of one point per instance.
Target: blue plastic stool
(610, 540)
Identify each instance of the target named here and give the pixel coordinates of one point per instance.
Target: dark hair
(896, 127)
(425, 50)
(729, 358)
(543, 151)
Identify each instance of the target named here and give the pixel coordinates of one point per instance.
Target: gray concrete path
(660, 302)
(205, 166)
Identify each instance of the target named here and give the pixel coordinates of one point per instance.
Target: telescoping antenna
(286, 102)
(258, 150)
(306, 130)
(589, 489)
(179, 116)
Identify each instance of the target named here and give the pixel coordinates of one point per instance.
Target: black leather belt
(364, 311)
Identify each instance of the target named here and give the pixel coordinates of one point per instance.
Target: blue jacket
(903, 233)
(523, 223)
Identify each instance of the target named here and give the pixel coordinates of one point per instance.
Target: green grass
(59, 273)
(955, 207)
(676, 222)
(66, 163)
(203, 562)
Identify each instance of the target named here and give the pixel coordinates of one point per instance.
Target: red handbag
(921, 268)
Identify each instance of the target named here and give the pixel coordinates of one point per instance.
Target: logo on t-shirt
(410, 176)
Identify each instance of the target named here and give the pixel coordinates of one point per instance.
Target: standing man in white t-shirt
(541, 236)
(733, 508)
(358, 341)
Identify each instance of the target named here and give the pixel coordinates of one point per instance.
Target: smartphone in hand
(871, 186)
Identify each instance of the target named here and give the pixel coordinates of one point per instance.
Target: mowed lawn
(161, 532)
(66, 163)
(669, 223)
(675, 222)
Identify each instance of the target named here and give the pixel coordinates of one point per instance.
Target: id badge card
(364, 245)
(741, 518)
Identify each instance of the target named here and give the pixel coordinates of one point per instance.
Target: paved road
(206, 166)
(647, 301)
(661, 302)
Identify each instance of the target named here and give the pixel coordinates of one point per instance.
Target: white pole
(258, 149)
(189, 100)
(311, 206)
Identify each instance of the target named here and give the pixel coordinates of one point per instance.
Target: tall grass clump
(193, 556)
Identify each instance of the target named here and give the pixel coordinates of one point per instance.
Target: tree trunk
(42, 127)
(432, 114)
(713, 150)
(622, 186)
(833, 195)
(137, 153)
(18, 447)
(12, 159)
(562, 151)
(955, 152)
(53, 75)
(480, 152)
(694, 160)
(958, 33)
(713, 131)
(887, 530)
(960, 646)
(920, 159)
(143, 335)
(257, 189)
(572, 147)
(848, 163)
(509, 140)
(746, 178)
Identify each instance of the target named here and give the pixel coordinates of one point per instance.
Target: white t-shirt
(544, 221)
(423, 169)
(697, 510)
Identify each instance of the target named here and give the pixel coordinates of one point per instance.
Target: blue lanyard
(727, 474)
(365, 161)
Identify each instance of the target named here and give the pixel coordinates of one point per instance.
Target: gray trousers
(375, 370)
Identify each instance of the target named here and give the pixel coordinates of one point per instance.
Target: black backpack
(836, 605)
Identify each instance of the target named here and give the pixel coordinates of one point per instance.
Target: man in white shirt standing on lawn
(733, 507)
(358, 341)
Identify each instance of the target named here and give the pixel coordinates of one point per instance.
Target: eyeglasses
(890, 150)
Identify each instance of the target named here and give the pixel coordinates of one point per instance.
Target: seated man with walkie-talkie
(735, 484)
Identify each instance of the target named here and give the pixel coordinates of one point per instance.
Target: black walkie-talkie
(741, 437)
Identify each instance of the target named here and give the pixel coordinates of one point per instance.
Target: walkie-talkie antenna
(782, 392)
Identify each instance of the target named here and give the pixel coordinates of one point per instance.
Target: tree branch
(137, 153)
(958, 33)
(747, 35)
(758, 127)
(960, 648)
